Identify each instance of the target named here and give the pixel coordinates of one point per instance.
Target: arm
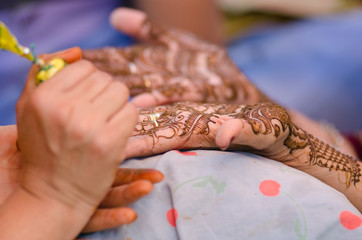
(128, 186)
(265, 129)
(272, 127)
(179, 67)
(24, 216)
(62, 180)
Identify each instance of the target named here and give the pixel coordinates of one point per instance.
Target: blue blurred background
(311, 63)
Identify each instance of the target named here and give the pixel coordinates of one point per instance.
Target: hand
(128, 186)
(179, 67)
(186, 125)
(175, 67)
(265, 129)
(72, 133)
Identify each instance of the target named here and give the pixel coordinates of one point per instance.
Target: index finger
(69, 55)
(128, 175)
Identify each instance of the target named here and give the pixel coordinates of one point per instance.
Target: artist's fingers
(64, 80)
(111, 99)
(69, 55)
(110, 218)
(126, 194)
(128, 175)
(89, 89)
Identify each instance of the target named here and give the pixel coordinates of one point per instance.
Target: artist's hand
(173, 66)
(128, 186)
(72, 133)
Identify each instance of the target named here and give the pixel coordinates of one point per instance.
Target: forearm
(333, 138)
(23, 216)
(334, 168)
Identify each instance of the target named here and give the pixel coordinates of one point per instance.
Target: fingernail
(66, 50)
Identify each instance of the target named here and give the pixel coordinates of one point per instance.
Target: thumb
(69, 55)
(228, 132)
(239, 132)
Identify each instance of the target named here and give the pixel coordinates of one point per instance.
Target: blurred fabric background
(305, 55)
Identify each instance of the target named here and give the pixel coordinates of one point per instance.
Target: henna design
(325, 156)
(261, 116)
(182, 121)
(177, 59)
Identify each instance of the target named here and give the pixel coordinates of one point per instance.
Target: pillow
(235, 195)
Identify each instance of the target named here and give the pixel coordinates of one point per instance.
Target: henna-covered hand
(265, 129)
(175, 66)
(186, 125)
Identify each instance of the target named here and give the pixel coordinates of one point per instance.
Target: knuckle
(132, 112)
(104, 77)
(80, 130)
(60, 115)
(86, 65)
(101, 145)
(121, 88)
(37, 100)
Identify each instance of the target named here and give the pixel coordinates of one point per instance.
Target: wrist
(25, 216)
(49, 188)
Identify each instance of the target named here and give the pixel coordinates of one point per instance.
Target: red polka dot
(172, 217)
(269, 188)
(186, 153)
(350, 220)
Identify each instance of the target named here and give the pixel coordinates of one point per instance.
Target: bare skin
(265, 129)
(64, 171)
(128, 186)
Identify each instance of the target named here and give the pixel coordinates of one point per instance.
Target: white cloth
(227, 195)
